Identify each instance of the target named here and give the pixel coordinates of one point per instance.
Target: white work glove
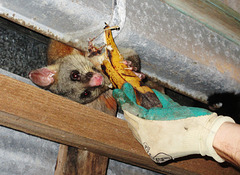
(172, 131)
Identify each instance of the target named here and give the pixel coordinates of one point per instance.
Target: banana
(118, 74)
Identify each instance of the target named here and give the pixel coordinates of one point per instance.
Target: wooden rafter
(41, 113)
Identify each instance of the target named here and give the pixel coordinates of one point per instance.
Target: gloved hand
(172, 131)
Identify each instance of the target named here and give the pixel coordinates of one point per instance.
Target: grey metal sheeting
(183, 53)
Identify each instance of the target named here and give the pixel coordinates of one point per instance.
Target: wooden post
(73, 161)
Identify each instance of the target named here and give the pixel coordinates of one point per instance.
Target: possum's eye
(85, 94)
(75, 75)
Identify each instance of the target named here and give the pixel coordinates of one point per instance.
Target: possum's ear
(43, 77)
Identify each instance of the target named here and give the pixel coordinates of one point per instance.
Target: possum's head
(73, 76)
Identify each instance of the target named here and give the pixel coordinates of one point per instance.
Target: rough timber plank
(38, 112)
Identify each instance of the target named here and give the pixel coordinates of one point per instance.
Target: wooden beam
(41, 113)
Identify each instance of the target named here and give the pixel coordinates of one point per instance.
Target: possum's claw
(93, 50)
(140, 75)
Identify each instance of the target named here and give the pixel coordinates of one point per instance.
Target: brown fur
(58, 50)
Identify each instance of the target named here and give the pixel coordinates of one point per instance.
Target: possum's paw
(134, 69)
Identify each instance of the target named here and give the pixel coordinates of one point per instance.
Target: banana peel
(119, 74)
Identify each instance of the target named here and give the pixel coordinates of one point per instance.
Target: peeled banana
(118, 74)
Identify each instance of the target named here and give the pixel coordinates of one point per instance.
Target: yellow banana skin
(118, 74)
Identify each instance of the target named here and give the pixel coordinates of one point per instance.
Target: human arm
(227, 142)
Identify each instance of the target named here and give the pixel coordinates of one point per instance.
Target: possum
(76, 75)
(227, 104)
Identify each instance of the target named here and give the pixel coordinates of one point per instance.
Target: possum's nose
(96, 80)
